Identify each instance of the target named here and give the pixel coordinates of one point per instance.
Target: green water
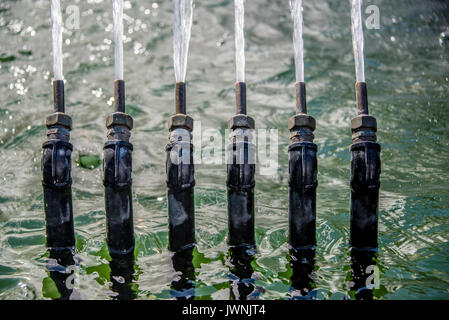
(408, 80)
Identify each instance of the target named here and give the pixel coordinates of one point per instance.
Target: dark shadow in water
(122, 276)
(303, 277)
(61, 266)
(241, 273)
(183, 286)
(363, 273)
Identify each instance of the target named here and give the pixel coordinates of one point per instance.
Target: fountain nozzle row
(303, 166)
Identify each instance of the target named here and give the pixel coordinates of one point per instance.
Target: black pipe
(241, 174)
(57, 175)
(241, 272)
(302, 175)
(122, 276)
(363, 274)
(302, 262)
(117, 168)
(365, 175)
(180, 176)
(183, 286)
(61, 268)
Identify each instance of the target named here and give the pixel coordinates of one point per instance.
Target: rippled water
(407, 72)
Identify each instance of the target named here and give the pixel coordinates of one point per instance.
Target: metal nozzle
(362, 97)
(58, 96)
(180, 97)
(240, 97)
(119, 95)
(301, 100)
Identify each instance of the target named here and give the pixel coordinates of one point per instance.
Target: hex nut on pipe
(300, 121)
(119, 119)
(364, 121)
(59, 118)
(180, 121)
(241, 121)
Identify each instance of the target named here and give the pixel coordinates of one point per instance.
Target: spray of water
(117, 13)
(56, 18)
(357, 39)
(296, 8)
(239, 40)
(182, 26)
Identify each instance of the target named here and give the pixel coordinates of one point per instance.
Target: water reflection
(183, 286)
(61, 267)
(302, 262)
(122, 276)
(364, 274)
(241, 273)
